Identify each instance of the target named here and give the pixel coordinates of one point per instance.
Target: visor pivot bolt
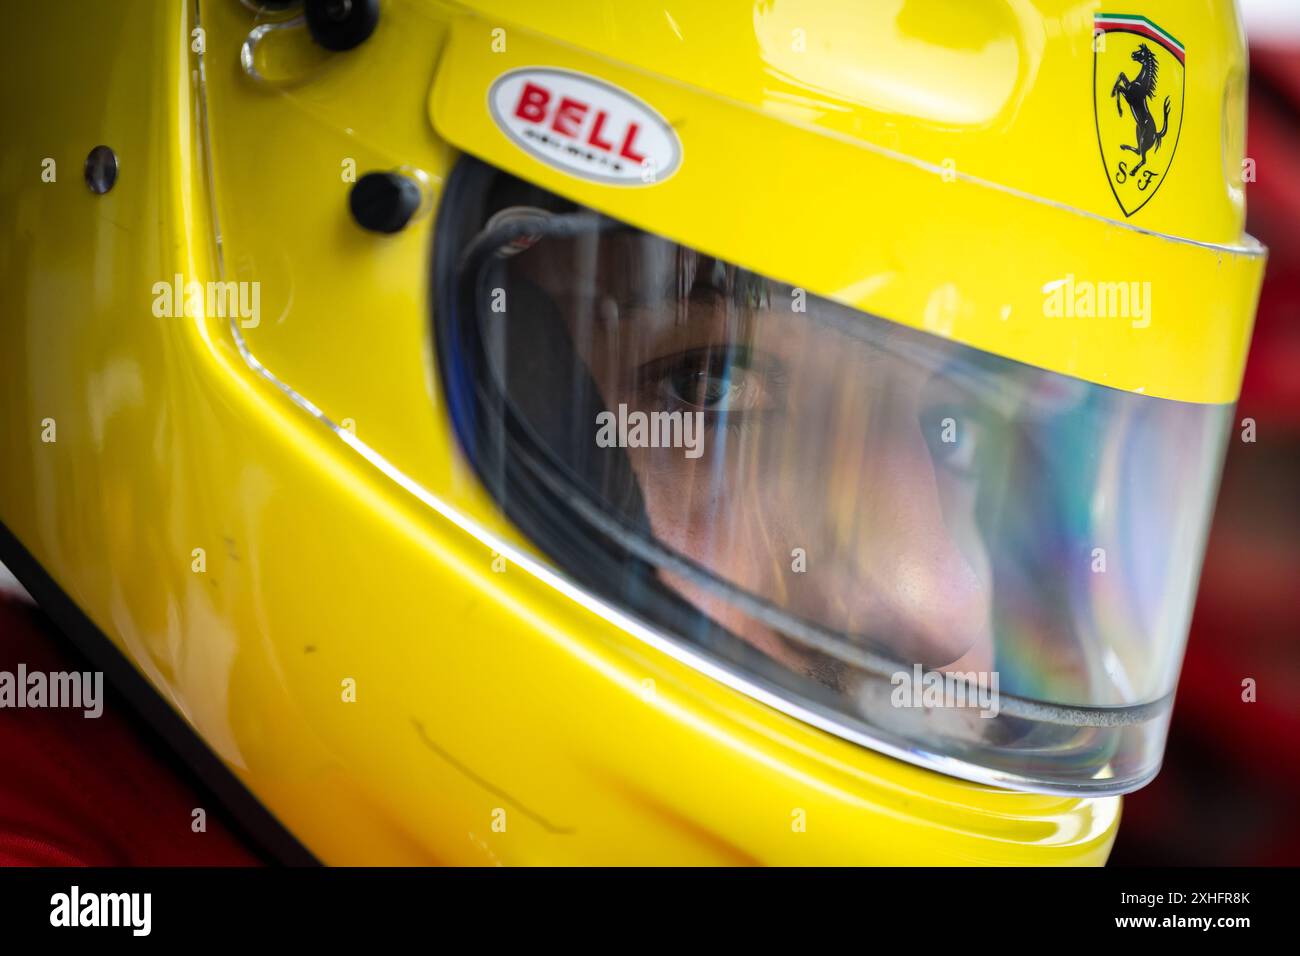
(384, 202)
(101, 170)
(341, 24)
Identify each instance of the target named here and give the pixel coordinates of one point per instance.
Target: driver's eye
(959, 456)
(956, 438)
(716, 385)
(715, 381)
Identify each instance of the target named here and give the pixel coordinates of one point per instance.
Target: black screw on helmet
(384, 202)
(341, 24)
(101, 170)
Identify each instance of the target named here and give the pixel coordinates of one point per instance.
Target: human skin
(814, 439)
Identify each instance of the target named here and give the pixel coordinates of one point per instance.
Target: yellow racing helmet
(592, 432)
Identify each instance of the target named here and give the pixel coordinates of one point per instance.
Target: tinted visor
(963, 561)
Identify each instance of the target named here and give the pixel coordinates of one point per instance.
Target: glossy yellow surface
(976, 118)
(365, 552)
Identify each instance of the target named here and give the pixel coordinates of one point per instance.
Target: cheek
(740, 533)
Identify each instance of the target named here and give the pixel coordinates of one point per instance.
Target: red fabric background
(93, 792)
(1229, 791)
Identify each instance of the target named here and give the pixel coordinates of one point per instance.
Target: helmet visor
(970, 563)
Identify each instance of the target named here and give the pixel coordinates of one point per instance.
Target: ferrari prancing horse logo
(1140, 115)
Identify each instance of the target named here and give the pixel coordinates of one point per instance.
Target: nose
(896, 575)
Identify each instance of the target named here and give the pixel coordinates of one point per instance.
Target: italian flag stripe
(1139, 25)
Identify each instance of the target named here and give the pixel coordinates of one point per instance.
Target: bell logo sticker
(1138, 71)
(584, 126)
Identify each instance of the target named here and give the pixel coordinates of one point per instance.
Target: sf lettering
(1122, 175)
